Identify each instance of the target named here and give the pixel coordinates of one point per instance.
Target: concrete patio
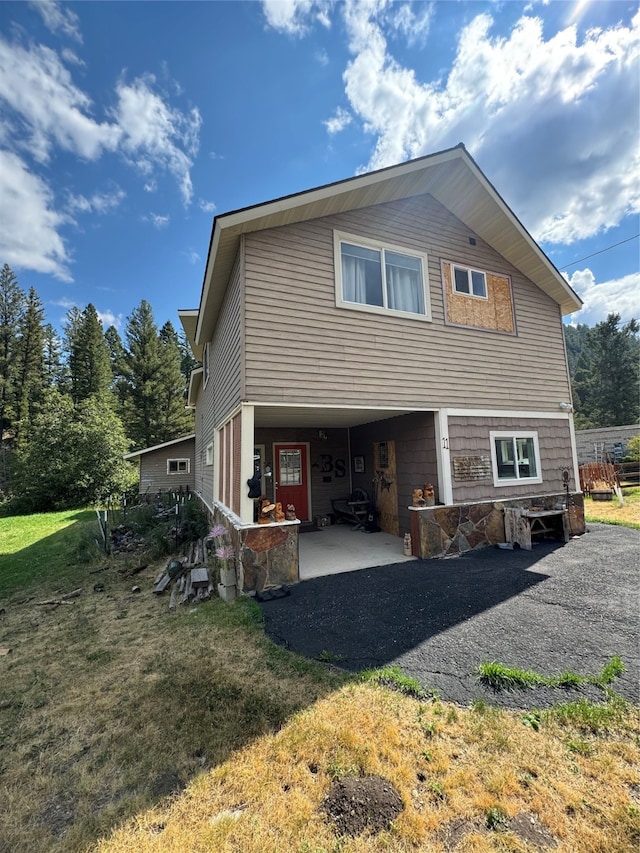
(339, 548)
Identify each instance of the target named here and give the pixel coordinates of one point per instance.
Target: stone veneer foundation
(266, 554)
(444, 531)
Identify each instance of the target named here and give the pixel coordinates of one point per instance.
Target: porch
(339, 548)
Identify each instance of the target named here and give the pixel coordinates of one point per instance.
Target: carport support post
(445, 487)
(247, 465)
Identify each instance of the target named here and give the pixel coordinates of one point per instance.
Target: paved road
(555, 608)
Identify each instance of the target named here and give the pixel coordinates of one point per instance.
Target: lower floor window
(178, 466)
(515, 457)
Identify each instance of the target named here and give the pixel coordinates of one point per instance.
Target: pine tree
(89, 364)
(120, 382)
(30, 366)
(144, 416)
(178, 420)
(54, 370)
(605, 387)
(12, 307)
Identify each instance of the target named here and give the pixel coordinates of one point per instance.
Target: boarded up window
(494, 312)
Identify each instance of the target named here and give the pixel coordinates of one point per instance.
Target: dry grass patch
(480, 770)
(610, 512)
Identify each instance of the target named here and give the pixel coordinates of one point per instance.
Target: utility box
(322, 521)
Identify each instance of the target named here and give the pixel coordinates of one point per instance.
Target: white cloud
(206, 206)
(538, 114)
(155, 135)
(340, 120)
(29, 225)
(294, 16)
(192, 256)
(618, 296)
(58, 19)
(100, 203)
(157, 220)
(51, 109)
(108, 318)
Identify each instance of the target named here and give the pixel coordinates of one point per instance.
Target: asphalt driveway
(554, 608)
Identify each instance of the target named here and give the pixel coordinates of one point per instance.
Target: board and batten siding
(153, 468)
(469, 436)
(300, 347)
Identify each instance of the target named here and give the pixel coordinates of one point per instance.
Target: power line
(586, 258)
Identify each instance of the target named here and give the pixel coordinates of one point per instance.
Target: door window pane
(290, 468)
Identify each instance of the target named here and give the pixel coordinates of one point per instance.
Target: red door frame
(303, 510)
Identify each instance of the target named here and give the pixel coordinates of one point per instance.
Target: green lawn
(41, 548)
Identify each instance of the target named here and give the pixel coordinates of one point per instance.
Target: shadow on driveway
(555, 608)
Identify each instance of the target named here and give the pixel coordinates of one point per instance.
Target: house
(391, 330)
(167, 467)
(604, 444)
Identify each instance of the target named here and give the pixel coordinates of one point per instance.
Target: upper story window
(178, 466)
(380, 278)
(515, 458)
(471, 282)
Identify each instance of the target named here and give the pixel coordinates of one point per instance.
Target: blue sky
(125, 127)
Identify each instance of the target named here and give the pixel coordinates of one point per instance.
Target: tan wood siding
(469, 436)
(325, 354)
(226, 351)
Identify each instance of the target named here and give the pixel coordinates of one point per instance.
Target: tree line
(71, 406)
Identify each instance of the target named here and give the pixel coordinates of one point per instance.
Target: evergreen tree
(30, 366)
(178, 420)
(54, 370)
(89, 364)
(607, 373)
(143, 406)
(187, 362)
(120, 383)
(12, 307)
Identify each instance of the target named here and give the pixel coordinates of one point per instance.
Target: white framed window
(178, 466)
(469, 282)
(209, 454)
(515, 457)
(205, 364)
(380, 278)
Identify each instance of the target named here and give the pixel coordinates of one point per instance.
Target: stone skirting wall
(266, 554)
(443, 531)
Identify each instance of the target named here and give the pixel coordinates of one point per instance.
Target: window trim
(209, 454)
(340, 237)
(178, 460)
(513, 435)
(469, 271)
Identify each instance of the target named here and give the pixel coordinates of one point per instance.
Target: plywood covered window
(477, 298)
(380, 278)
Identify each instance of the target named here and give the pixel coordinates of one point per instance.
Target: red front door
(291, 477)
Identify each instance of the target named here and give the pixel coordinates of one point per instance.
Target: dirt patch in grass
(358, 803)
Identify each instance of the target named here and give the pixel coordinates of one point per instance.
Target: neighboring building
(606, 444)
(390, 330)
(167, 467)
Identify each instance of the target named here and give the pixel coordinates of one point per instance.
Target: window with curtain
(381, 278)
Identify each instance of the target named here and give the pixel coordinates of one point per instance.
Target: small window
(178, 466)
(515, 457)
(380, 278)
(470, 282)
(205, 363)
(209, 454)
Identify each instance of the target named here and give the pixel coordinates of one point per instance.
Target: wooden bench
(521, 524)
